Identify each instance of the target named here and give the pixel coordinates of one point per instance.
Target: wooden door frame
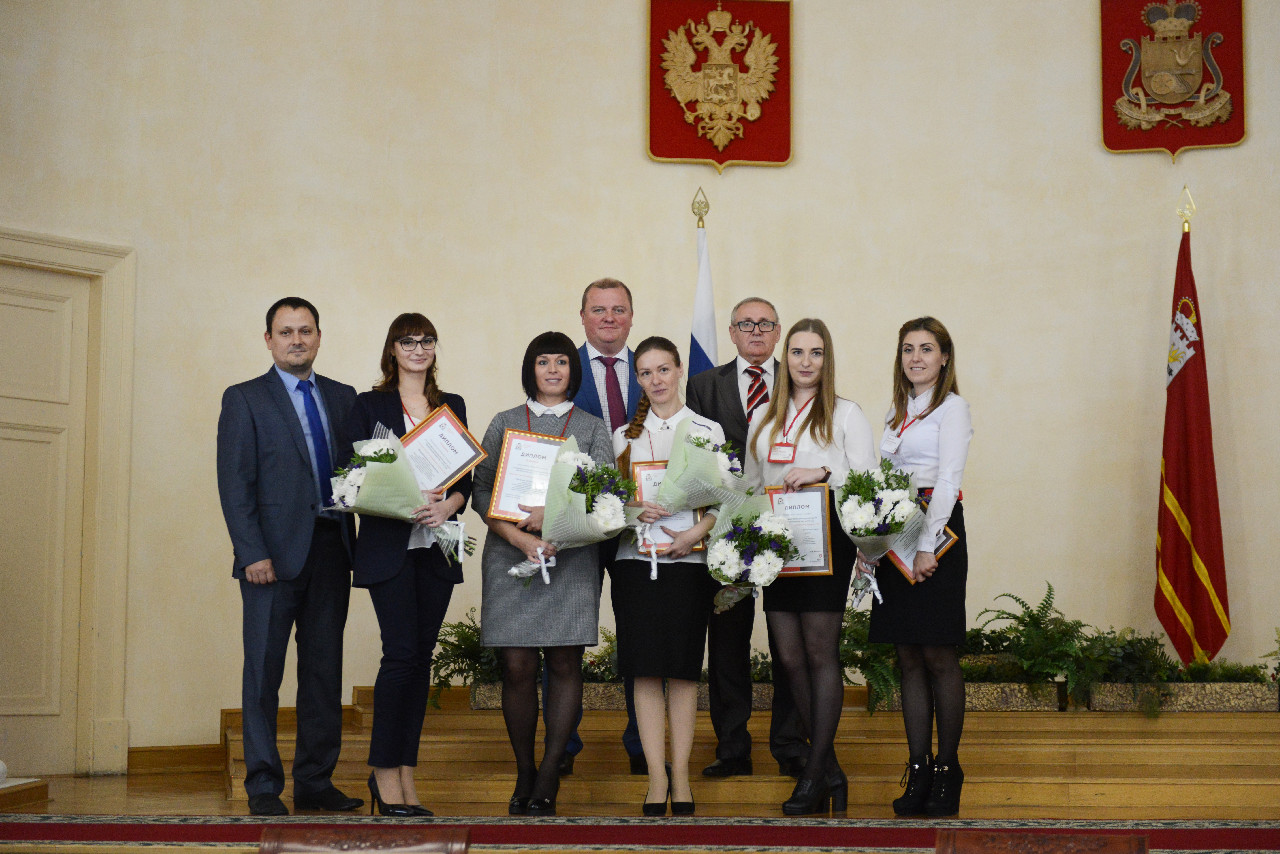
(102, 731)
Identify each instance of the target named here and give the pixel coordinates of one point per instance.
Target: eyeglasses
(410, 344)
(752, 325)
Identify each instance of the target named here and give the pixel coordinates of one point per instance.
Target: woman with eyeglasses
(524, 616)
(408, 576)
(808, 435)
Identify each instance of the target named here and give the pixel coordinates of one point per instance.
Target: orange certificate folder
(808, 511)
(904, 564)
(441, 449)
(524, 469)
(648, 477)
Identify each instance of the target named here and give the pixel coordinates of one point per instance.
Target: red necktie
(757, 391)
(613, 393)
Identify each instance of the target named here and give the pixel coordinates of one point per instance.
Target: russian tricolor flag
(702, 344)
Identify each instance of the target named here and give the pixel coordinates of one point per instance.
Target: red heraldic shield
(1191, 579)
(1172, 74)
(720, 82)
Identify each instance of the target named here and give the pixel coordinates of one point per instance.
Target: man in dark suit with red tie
(278, 440)
(731, 394)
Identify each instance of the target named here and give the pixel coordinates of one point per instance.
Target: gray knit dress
(565, 612)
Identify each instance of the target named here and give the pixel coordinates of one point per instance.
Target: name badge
(783, 452)
(889, 442)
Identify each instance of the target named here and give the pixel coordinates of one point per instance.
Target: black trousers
(410, 607)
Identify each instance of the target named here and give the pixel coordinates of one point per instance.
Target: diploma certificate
(902, 553)
(524, 471)
(441, 450)
(648, 477)
(808, 512)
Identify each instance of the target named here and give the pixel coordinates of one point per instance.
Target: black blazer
(714, 394)
(381, 544)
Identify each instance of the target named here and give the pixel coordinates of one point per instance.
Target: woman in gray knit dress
(521, 616)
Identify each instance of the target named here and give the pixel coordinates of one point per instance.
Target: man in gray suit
(731, 394)
(278, 441)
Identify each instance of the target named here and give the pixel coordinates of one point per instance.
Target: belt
(928, 490)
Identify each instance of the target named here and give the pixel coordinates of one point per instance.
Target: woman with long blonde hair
(810, 435)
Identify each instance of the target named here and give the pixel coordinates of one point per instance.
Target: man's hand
(261, 572)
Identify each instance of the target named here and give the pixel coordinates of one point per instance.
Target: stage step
(1206, 765)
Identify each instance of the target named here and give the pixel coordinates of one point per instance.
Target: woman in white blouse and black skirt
(808, 435)
(927, 433)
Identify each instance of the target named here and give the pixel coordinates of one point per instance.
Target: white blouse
(934, 449)
(850, 448)
(655, 443)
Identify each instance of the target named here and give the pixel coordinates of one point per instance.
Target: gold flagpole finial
(1187, 209)
(701, 207)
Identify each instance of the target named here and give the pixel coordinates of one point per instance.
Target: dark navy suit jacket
(589, 399)
(714, 394)
(381, 546)
(265, 482)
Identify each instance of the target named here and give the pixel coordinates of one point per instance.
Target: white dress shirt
(540, 409)
(622, 368)
(850, 447)
(655, 443)
(934, 449)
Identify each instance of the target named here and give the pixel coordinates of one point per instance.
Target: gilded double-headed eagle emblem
(720, 94)
(1172, 63)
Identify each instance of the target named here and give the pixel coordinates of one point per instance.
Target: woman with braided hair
(662, 617)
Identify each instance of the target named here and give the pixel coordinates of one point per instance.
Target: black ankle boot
(838, 788)
(918, 780)
(809, 797)
(944, 797)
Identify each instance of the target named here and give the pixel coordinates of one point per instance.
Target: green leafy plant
(1042, 640)
(761, 667)
(877, 662)
(461, 655)
(1275, 653)
(1220, 670)
(1128, 657)
(601, 663)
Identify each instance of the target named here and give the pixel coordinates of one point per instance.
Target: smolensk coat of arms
(1172, 63)
(720, 94)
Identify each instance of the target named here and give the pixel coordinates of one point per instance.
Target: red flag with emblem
(1191, 580)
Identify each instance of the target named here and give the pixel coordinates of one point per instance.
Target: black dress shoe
(809, 797)
(267, 805)
(791, 766)
(419, 810)
(329, 799)
(541, 806)
(639, 765)
(728, 768)
(566, 765)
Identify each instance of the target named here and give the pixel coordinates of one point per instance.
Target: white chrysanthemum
(764, 568)
(699, 431)
(774, 525)
(577, 459)
(607, 512)
(902, 511)
(877, 476)
(346, 487)
(862, 517)
(894, 496)
(373, 447)
(723, 561)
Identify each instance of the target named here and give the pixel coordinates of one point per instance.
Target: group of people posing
(280, 436)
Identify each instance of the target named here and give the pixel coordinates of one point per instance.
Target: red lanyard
(405, 410)
(787, 432)
(528, 419)
(907, 424)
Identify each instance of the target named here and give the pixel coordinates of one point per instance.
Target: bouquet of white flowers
(585, 502)
(875, 508)
(750, 555)
(379, 481)
(701, 473)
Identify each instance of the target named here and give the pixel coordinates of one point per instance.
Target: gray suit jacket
(265, 481)
(714, 394)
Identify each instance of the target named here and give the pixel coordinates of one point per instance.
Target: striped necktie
(757, 391)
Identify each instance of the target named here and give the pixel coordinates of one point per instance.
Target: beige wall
(482, 162)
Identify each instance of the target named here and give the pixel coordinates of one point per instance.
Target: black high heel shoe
(397, 810)
(682, 807)
(809, 797)
(519, 804)
(918, 780)
(944, 796)
(544, 806)
(838, 789)
(658, 808)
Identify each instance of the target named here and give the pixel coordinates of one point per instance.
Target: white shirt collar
(653, 423)
(592, 353)
(540, 409)
(766, 366)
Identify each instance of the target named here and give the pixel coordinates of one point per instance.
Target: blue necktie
(319, 445)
